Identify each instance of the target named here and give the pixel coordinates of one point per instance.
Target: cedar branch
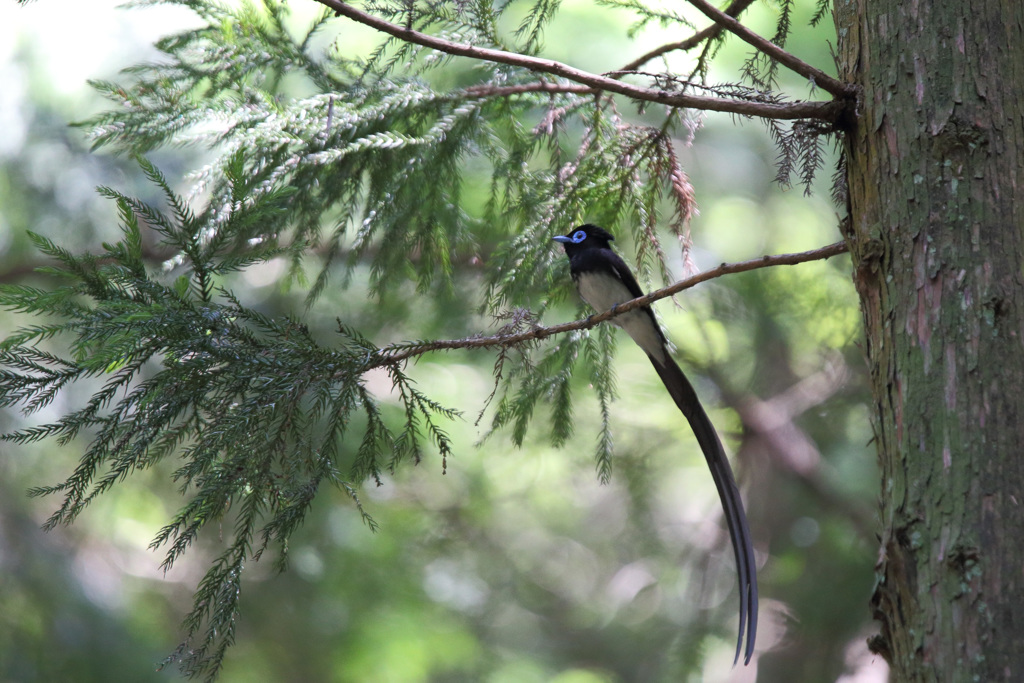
(821, 110)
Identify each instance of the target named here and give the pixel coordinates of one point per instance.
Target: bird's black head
(585, 237)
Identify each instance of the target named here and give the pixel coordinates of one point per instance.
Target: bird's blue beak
(562, 238)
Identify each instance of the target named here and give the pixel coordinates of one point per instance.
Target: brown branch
(826, 111)
(772, 425)
(390, 355)
(817, 76)
(770, 429)
(18, 271)
(733, 10)
(152, 254)
(539, 86)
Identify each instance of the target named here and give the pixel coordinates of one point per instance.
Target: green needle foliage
(253, 407)
(346, 162)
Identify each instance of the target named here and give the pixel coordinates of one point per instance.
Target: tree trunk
(936, 179)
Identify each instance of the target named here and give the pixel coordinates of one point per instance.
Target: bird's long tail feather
(685, 397)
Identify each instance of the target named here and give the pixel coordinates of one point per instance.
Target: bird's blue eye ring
(578, 236)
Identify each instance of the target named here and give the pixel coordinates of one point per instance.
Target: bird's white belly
(602, 292)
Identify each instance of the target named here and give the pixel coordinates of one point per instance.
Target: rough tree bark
(936, 179)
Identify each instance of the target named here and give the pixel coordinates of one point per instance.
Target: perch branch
(390, 355)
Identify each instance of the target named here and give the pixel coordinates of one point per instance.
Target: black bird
(604, 281)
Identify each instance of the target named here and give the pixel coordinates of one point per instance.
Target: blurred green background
(514, 565)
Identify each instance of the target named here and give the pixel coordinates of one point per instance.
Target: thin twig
(390, 355)
(817, 76)
(825, 111)
(693, 41)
